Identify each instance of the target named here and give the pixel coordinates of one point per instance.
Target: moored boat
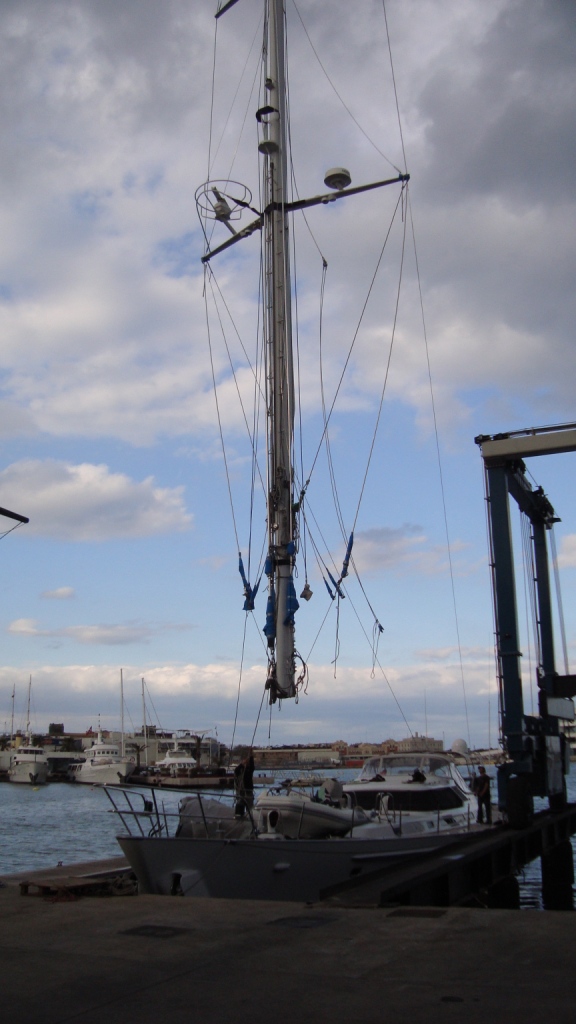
(28, 764)
(103, 765)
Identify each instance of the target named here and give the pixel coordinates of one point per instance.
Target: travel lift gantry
(537, 750)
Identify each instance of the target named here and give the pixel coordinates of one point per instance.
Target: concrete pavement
(154, 959)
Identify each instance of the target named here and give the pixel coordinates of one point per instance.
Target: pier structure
(477, 870)
(538, 753)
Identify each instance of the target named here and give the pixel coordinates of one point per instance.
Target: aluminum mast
(280, 376)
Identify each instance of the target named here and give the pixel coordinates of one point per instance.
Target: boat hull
(264, 868)
(114, 774)
(30, 773)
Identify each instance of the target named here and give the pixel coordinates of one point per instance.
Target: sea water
(69, 823)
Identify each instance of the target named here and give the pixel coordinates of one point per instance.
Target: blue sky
(107, 416)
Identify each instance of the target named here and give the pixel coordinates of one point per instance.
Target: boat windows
(410, 799)
(405, 764)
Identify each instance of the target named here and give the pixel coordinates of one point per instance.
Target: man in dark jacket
(483, 795)
(244, 785)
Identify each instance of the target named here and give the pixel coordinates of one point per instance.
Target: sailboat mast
(28, 736)
(144, 730)
(122, 711)
(281, 527)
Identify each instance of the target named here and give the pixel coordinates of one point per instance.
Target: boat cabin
(410, 782)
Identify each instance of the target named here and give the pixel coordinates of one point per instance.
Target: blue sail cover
(335, 584)
(346, 561)
(249, 593)
(270, 627)
(292, 603)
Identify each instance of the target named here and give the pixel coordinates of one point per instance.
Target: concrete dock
(149, 959)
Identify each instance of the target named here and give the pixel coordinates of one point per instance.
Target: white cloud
(108, 635)
(60, 594)
(404, 548)
(89, 503)
(567, 551)
(101, 307)
(352, 704)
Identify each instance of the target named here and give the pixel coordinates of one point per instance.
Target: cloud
(404, 548)
(352, 704)
(507, 107)
(567, 551)
(108, 635)
(100, 119)
(60, 594)
(89, 503)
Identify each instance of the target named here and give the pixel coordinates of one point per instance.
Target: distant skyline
(110, 440)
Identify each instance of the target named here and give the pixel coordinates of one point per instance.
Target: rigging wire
(251, 435)
(355, 336)
(376, 660)
(239, 689)
(394, 84)
(11, 530)
(152, 703)
(433, 403)
(233, 103)
(392, 339)
(344, 104)
(440, 471)
(218, 416)
(212, 93)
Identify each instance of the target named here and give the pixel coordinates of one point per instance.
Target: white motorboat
(413, 794)
(103, 765)
(28, 764)
(177, 763)
(290, 846)
(395, 794)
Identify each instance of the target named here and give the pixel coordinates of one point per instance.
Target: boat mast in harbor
(282, 539)
(218, 200)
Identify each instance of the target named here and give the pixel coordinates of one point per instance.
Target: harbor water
(68, 823)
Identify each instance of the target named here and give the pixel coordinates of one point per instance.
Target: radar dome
(459, 747)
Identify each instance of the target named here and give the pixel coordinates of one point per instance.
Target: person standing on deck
(483, 795)
(244, 785)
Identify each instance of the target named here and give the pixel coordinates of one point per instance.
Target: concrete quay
(149, 959)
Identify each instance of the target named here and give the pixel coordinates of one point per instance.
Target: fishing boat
(289, 846)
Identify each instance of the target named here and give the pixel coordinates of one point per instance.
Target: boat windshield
(405, 764)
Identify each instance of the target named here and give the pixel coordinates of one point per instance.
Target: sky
(109, 431)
